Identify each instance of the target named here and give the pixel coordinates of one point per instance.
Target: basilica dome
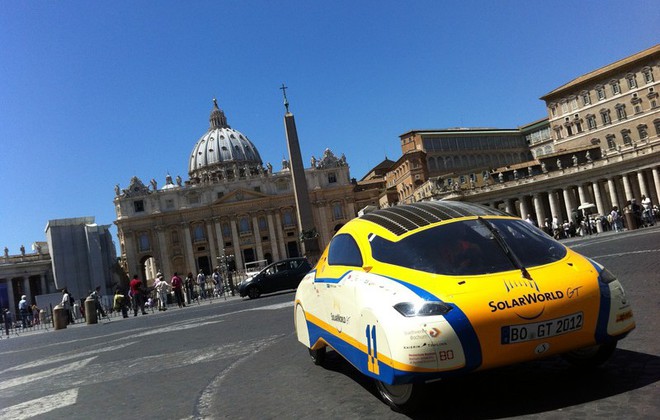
(222, 152)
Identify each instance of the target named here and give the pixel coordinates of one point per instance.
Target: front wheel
(253, 292)
(590, 357)
(403, 398)
(318, 356)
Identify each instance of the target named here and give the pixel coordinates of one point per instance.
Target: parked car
(282, 275)
(416, 293)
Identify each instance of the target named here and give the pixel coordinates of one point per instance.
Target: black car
(281, 275)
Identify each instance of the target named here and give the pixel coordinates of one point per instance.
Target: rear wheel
(590, 357)
(318, 356)
(403, 398)
(253, 292)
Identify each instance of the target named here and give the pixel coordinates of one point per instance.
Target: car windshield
(469, 247)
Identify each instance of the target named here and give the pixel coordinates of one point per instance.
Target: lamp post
(224, 260)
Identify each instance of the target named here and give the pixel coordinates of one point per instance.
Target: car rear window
(468, 248)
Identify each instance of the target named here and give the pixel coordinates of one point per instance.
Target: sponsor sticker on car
(526, 332)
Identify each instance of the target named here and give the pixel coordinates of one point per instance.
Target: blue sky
(93, 93)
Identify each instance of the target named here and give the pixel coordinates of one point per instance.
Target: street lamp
(224, 260)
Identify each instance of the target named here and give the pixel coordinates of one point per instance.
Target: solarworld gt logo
(526, 303)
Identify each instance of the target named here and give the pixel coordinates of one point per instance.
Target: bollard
(60, 317)
(90, 311)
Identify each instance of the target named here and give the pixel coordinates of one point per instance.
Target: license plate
(538, 330)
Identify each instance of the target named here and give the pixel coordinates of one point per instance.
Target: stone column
(600, 207)
(627, 187)
(584, 197)
(280, 235)
(323, 231)
(257, 238)
(11, 297)
(273, 238)
(163, 253)
(656, 181)
(236, 240)
(220, 241)
(26, 287)
(568, 202)
(540, 212)
(612, 188)
(214, 254)
(642, 184)
(510, 207)
(555, 207)
(129, 248)
(351, 210)
(524, 209)
(190, 257)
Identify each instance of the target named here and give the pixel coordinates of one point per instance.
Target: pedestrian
(647, 211)
(616, 219)
(177, 286)
(35, 314)
(201, 284)
(23, 310)
(217, 281)
(136, 294)
(119, 302)
(6, 315)
(162, 289)
(67, 304)
(96, 295)
(189, 284)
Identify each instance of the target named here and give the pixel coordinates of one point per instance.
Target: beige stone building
(231, 205)
(600, 145)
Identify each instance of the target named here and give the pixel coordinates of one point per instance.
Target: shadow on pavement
(525, 389)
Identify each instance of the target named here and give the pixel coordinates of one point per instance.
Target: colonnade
(545, 199)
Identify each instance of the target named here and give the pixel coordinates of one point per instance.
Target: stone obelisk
(308, 234)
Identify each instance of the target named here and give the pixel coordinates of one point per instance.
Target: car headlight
(606, 276)
(409, 309)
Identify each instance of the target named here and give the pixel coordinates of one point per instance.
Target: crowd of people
(582, 223)
(138, 297)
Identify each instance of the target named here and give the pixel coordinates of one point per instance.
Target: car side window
(344, 251)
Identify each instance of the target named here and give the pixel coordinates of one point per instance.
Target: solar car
(416, 293)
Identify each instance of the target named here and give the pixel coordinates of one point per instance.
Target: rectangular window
(610, 141)
(600, 92)
(586, 99)
(337, 211)
(616, 88)
(138, 205)
(591, 122)
(621, 113)
(332, 178)
(564, 107)
(144, 242)
(648, 75)
(606, 118)
(574, 104)
(632, 82)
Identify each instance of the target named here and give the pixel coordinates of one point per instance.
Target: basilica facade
(232, 210)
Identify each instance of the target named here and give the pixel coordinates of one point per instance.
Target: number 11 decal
(372, 349)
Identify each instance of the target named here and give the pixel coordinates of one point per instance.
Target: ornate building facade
(600, 146)
(231, 205)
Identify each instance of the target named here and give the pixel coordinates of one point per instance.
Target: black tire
(404, 398)
(590, 357)
(318, 356)
(254, 292)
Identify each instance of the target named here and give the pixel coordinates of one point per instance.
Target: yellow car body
(400, 323)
